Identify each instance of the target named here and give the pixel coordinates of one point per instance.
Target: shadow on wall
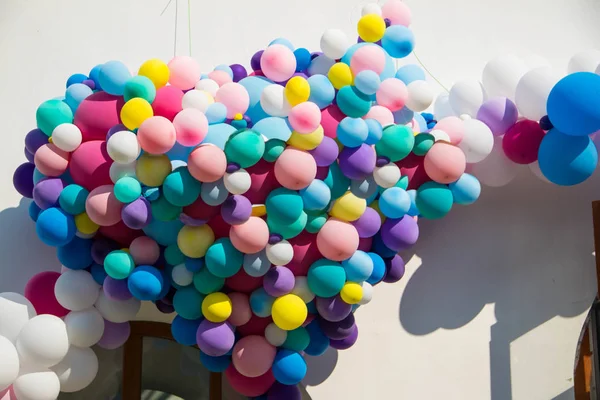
(546, 227)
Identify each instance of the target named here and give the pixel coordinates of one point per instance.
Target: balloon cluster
(263, 208)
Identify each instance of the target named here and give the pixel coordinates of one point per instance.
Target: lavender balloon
(215, 339)
(357, 162)
(347, 342)
(394, 268)
(368, 224)
(333, 309)
(236, 210)
(337, 330)
(115, 335)
(116, 289)
(326, 152)
(137, 214)
(46, 192)
(499, 114)
(400, 234)
(279, 281)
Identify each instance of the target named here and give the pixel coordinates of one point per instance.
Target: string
(176, 18)
(190, 26)
(429, 72)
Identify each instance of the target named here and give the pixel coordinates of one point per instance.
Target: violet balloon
(400, 234)
(115, 335)
(215, 339)
(236, 209)
(326, 152)
(100, 249)
(279, 391)
(47, 191)
(137, 214)
(279, 281)
(499, 114)
(338, 330)
(394, 269)
(368, 224)
(357, 162)
(116, 289)
(35, 139)
(346, 343)
(239, 72)
(333, 309)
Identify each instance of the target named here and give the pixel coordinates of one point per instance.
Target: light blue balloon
(322, 91)
(413, 211)
(76, 93)
(410, 73)
(113, 76)
(256, 264)
(352, 132)
(421, 122)
(316, 196)
(398, 41)
(216, 113)
(289, 367)
(359, 267)
(254, 86)
(367, 82)
(375, 131)
(394, 202)
(218, 134)
(273, 128)
(95, 74)
(403, 116)
(261, 303)
(225, 68)
(283, 41)
(465, 190)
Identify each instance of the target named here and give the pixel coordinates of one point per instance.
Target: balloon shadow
(320, 368)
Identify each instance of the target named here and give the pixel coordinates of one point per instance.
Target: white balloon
(320, 65)
(123, 147)
(37, 384)
(535, 168)
(181, 275)
(466, 97)
(439, 134)
(420, 96)
(208, 85)
(302, 290)
(67, 137)
(367, 293)
(84, 328)
(387, 176)
(334, 43)
(532, 92)
(9, 363)
(497, 169)
(275, 335)
(585, 61)
(280, 253)
(274, 102)
(15, 312)
(237, 182)
(477, 142)
(77, 370)
(76, 290)
(117, 171)
(117, 311)
(43, 341)
(502, 74)
(371, 8)
(442, 107)
(198, 99)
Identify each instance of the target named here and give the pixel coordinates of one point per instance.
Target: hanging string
(190, 26)
(176, 25)
(429, 72)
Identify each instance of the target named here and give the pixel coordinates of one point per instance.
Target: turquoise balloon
(338, 182)
(358, 267)
(316, 196)
(284, 206)
(215, 364)
(326, 278)
(394, 202)
(51, 114)
(222, 259)
(434, 200)
(315, 222)
(273, 149)
(466, 189)
(140, 86)
(245, 148)
(261, 303)
(180, 188)
(396, 143)
(165, 233)
(187, 303)
(352, 102)
(205, 282)
(173, 255)
(72, 199)
(127, 189)
(288, 231)
(289, 367)
(163, 210)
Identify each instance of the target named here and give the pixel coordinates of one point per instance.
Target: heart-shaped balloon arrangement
(263, 209)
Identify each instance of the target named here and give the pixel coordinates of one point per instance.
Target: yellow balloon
(259, 210)
(216, 307)
(155, 70)
(297, 90)
(289, 312)
(152, 170)
(351, 293)
(193, 241)
(136, 111)
(348, 207)
(371, 28)
(340, 75)
(85, 225)
(307, 141)
(375, 206)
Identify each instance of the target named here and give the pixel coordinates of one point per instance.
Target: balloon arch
(263, 208)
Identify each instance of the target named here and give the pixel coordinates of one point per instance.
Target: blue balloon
(572, 104)
(77, 254)
(358, 267)
(316, 196)
(465, 190)
(367, 82)
(398, 41)
(113, 76)
(165, 233)
(225, 68)
(273, 128)
(318, 341)
(255, 86)
(289, 367)
(145, 283)
(184, 330)
(34, 211)
(413, 211)
(76, 93)
(55, 227)
(194, 264)
(410, 73)
(352, 132)
(302, 59)
(187, 302)
(375, 131)
(394, 202)
(283, 41)
(179, 152)
(378, 263)
(215, 364)
(95, 76)
(261, 303)
(76, 78)
(218, 134)
(322, 91)
(567, 160)
(216, 113)
(98, 273)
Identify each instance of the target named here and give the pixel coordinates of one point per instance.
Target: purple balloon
(215, 339)
(35, 139)
(90, 83)
(164, 308)
(115, 335)
(357, 162)
(187, 220)
(23, 179)
(326, 152)
(47, 191)
(236, 210)
(394, 269)
(400, 234)
(115, 129)
(279, 281)
(239, 72)
(29, 155)
(116, 289)
(137, 214)
(279, 391)
(368, 224)
(337, 330)
(499, 114)
(100, 249)
(333, 309)
(347, 342)
(255, 61)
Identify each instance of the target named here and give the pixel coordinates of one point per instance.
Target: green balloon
(337, 181)
(326, 278)
(297, 340)
(72, 199)
(163, 210)
(222, 259)
(402, 182)
(273, 149)
(118, 264)
(288, 231)
(187, 302)
(173, 255)
(180, 188)
(396, 143)
(352, 102)
(315, 222)
(140, 86)
(127, 189)
(51, 114)
(284, 206)
(434, 200)
(423, 142)
(207, 283)
(245, 148)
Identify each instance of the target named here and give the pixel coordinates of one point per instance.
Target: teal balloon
(396, 143)
(288, 231)
(187, 303)
(51, 114)
(72, 199)
(338, 182)
(215, 364)
(465, 190)
(434, 200)
(289, 367)
(423, 142)
(173, 255)
(163, 210)
(315, 222)
(127, 189)
(140, 86)
(245, 148)
(326, 278)
(222, 259)
(261, 303)
(180, 188)
(165, 233)
(284, 206)
(273, 149)
(297, 340)
(352, 102)
(205, 282)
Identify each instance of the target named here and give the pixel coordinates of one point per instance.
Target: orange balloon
(295, 169)
(207, 163)
(250, 237)
(337, 240)
(444, 162)
(50, 160)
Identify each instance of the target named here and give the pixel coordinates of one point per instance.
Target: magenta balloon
(337, 330)
(333, 309)
(215, 339)
(368, 224)
(394, 269)
(400, 234)
(115, 335)
(357, 162)
(347, 342)
(499, 114)
(326, 152)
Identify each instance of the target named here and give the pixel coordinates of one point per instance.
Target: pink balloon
(50, 160)
(8, 394)
(221, 77)
(39, 290)
(370, 58)
(240, 309)
(392, 94)
(253, 356)
(90, 165)
(156, 135)
(522, 142)
(381, 115)
(250, 387)
(295, 169)
(97, 114)
(235, 97)
(250, 237)
(168, 102)
(330, 119)
(191, 127)
(444, 162)
(144, 250)
(184, 72)
(397, 12)
(278, 63)
(305, 117)
(454, 127)
(103, 207)
(207, 163)
(337, 240)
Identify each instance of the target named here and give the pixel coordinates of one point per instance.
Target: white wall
(494, 298)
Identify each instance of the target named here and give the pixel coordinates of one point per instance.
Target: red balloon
(521, 142)
(40, 292)
(200, 210)
(120, 233)
(90, 165)
(256, 326)
(167, 102)
(364, 244)
(413, 167)
(322, 173)
(263, 182)
(97, 114)
(219, 226)
(251, 387)
(305, 253)
(244, 283)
